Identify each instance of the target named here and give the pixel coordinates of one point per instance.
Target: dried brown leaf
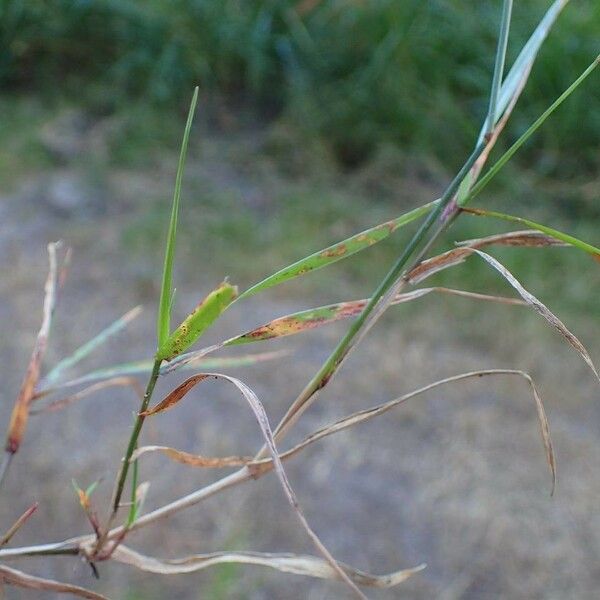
(261, 416)
(259, 467)
(194, 460)
(542, 310)
(20, 413)
(31, 582)
(18, 524)
(527, 238)
(173, 397)
(433, 265)
(296, 564)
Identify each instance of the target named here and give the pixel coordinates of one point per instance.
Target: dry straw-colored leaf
(456, 256)
(194, 460)
(31, 582)
(296, 564)
(541, 309)
(20, 413)
(261, 416)
(18, 524)
(259, 467)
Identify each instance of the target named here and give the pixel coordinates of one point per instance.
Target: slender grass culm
(174, 352)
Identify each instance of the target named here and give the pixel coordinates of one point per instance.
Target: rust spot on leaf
(335, 251)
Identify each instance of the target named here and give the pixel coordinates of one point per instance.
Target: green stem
(135, 434)
(134, 483)
(331, 364)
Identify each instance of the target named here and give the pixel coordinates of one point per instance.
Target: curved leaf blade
(261, 417)
(339, 251)
(541, 309)
(554, 233)
(296, 564)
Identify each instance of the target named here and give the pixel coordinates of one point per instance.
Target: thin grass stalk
(133, 440)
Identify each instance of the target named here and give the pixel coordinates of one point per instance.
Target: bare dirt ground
(456, 479)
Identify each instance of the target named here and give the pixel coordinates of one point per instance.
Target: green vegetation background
(349, 100)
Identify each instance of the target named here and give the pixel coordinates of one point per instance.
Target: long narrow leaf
(261, 416)
(259, 467)
(164, 312)
(305, 320)
(145, 366)
(122, 381)
(559, 235)
(478, 187)
(499, 66)
(11, 576)
(338, 251)
(542, 310)
(296, 564)
(526, 58)
(20, 413)
(194, 460)
(87, 348)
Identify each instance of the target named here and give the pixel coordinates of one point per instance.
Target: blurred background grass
(354, 74)
(323, 103)
(317, 119)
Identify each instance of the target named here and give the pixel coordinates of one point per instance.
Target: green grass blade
(559, 235)
(530, 131)
(164, 313)
(201, 318)
(339, 251)
(526, 58)
(145, 366)
(499, 66)
(87, 348)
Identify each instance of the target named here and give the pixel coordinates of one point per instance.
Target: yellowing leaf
(202, 317)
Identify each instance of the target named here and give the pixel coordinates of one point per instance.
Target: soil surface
(455, 478)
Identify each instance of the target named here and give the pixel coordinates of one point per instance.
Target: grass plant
(176, 348)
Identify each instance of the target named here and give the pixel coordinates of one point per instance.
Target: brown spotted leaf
(306, 320)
